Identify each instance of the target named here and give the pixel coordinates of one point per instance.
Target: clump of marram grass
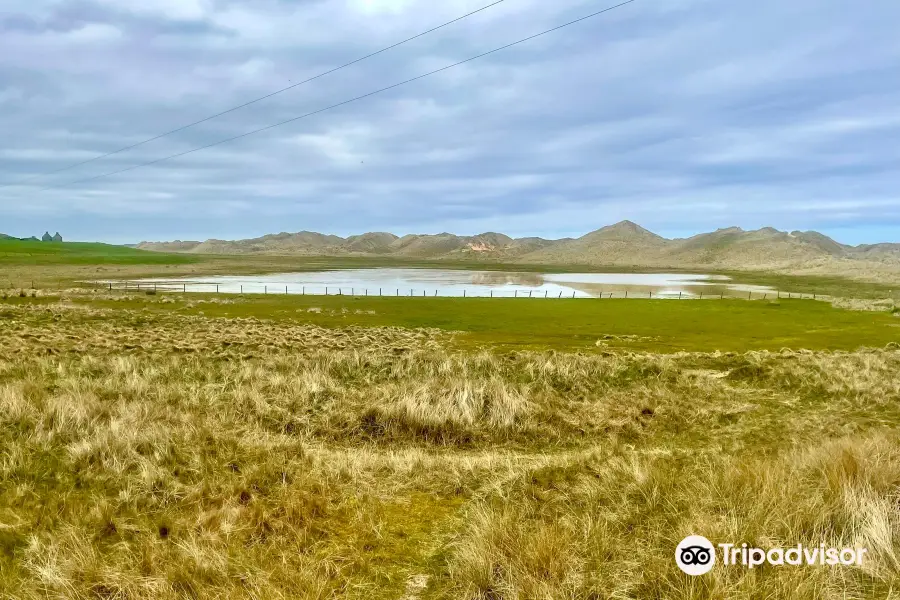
(607, 526)
(448, 413)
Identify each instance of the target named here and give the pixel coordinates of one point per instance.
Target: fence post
(679, 294)
(651, 294)
(515, 293)
(764, 296)
(626, 293)
(701, 295)
(217, 288)
(242, 289)
(110, 286)
(560, 293)
(464, 292)
(492, 293)
(266, 289)
(573, 295)
(183, 285)
(529, 293)
(285, 290)
(546, 293)
(139, 286)
(352, 291)
(749, 295)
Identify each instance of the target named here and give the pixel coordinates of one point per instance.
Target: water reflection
(502, 278)
(458, 282)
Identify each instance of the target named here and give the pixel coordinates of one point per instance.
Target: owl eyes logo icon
(695, 555)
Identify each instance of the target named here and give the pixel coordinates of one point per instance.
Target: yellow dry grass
(171, 456)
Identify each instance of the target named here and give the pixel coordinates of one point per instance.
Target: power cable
(339, 104)
(246, 104)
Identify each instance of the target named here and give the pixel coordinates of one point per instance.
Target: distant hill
(624, 244)
(31, 251)
(377, 242)
(3, 236)
(734, 248)
(443, 245)
(176, 246)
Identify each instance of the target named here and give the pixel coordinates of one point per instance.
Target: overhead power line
(261, 98)
(339, 104)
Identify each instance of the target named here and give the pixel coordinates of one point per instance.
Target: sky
(681, 115)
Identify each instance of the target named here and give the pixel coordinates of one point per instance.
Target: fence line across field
(266, 289)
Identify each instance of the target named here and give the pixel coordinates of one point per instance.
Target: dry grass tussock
(69, 327)
(149, 456)
(883, 305)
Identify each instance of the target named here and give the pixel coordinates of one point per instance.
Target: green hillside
(21, 252)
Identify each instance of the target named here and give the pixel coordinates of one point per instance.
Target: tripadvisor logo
(696, 555)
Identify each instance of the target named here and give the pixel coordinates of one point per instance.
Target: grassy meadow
(35, 253)
(199, 446)
(567, 324)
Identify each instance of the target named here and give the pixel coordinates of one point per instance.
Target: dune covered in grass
(155, 455)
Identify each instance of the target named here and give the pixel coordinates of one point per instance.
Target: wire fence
(447, 292)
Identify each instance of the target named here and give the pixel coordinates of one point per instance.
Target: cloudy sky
(681, 115)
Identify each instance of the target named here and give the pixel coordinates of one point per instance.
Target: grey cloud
(681, 115)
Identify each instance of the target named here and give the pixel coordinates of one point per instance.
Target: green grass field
(645, 325)
(24, 253)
